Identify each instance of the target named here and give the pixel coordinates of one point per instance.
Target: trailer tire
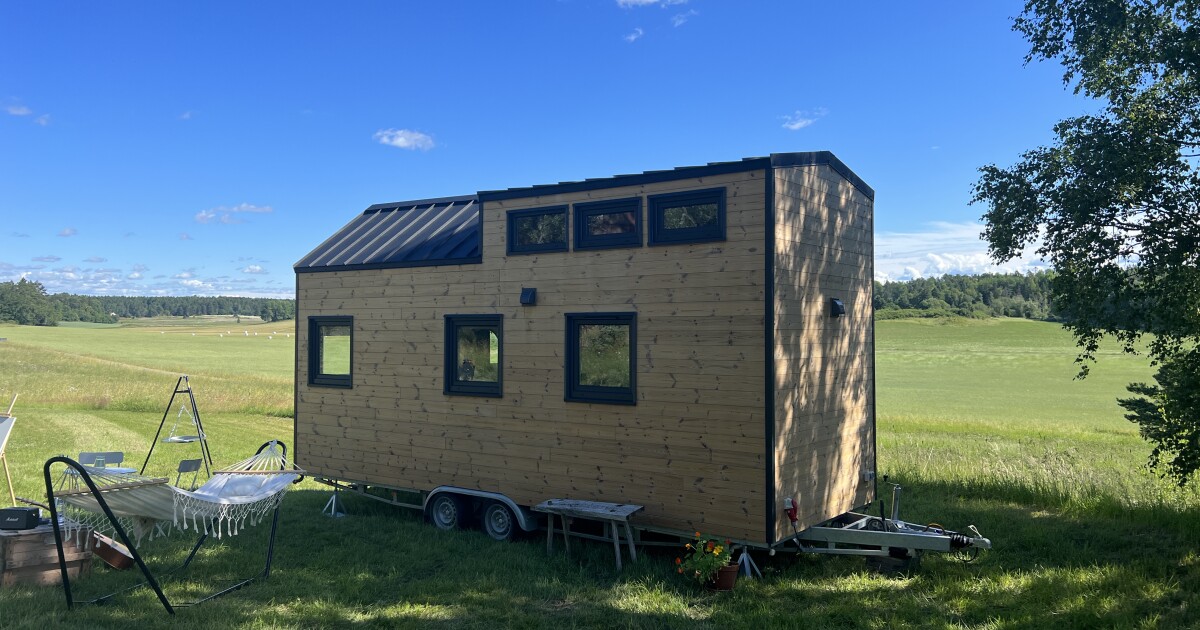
(448, 512)
(499, 522)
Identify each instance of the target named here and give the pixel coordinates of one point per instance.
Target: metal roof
(423, 233)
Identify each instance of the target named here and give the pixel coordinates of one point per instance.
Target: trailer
(698, 341)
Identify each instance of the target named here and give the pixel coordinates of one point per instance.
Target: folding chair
(188, 466)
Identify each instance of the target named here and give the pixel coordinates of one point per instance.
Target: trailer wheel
(448, 511)
(498, 522)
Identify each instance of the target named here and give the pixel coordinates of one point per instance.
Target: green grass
(980, 421)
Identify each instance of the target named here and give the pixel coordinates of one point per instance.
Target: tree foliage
(1114, 203)
(26, 302)
(982, 296)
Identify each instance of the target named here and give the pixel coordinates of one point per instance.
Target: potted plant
(707, 560)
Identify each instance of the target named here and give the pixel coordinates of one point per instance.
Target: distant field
(981, 422)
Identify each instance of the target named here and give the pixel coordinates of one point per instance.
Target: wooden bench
(611, 514)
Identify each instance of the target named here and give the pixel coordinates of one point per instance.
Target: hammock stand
(122, 536)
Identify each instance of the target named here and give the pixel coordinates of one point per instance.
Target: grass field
(980, 421)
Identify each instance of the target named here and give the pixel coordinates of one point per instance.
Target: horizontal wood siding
(824, 367)
(690, 450)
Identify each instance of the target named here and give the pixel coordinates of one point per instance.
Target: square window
(330, 348)
(601, 361)
(474, 355)
(603, 224)
(695, 216)
(537, 230)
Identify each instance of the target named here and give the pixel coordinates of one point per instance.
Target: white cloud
(137, 275)
(943, 248)
(185, 274)
(70, 231)
(95, 259)
(254, 269)
(682, 18)
(635, 35)
(46, 259)
(42, 120)
(404, 139)
(803, 118)
(186, 115)
(225, 214)
(18, 110)
(184, 236)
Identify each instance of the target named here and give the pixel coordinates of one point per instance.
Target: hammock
(124, 504)
(245, 492)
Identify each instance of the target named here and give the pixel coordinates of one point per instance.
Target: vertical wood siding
(824, 367)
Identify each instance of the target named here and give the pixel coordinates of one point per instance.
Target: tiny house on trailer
(698, 341)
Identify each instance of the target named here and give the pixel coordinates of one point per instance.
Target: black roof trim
(436, 201)
(648, 177)
(827, 158)
(475, 260)
(809, 158)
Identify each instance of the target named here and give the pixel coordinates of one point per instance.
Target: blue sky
(167, 148)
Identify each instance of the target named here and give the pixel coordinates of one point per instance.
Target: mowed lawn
(981, 422)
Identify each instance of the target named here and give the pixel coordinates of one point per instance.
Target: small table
(611, 514)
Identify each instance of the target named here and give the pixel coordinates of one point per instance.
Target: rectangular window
(614, 223)
(474, 355)
(537, 230)
(330, 347)
(601, 362)
(695, 216)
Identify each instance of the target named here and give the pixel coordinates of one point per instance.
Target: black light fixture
(528, 296)
(836, 308)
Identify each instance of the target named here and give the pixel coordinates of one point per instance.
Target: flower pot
(725, 579)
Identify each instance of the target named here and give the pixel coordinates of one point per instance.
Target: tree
(25, 302)
(1114, 203)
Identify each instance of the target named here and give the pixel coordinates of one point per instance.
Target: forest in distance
(26, 302)
(981, 296)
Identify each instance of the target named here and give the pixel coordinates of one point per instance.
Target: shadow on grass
(383, 567)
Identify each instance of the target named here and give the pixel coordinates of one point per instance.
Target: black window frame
(576, 392)
(582, 211)
(451, 386)
(656, 206)
(511, 247)
(315, 376)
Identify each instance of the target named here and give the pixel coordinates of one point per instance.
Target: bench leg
(549, 533)
(629, 539)
(616, 537)
(566, 523)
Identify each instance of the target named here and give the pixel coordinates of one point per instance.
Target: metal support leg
(629, 540)
(11, 494)
(331, 507)
(748, 568)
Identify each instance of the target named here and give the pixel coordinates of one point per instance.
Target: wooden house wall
(691, 450)
(824, 367)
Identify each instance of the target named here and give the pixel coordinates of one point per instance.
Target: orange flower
(697, 534)
(678, 561)
(728, 542)
(710, 545)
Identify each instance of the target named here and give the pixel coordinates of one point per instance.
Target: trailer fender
(525, 519)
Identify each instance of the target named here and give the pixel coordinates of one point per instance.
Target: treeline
(26, 302)
(982, 296)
